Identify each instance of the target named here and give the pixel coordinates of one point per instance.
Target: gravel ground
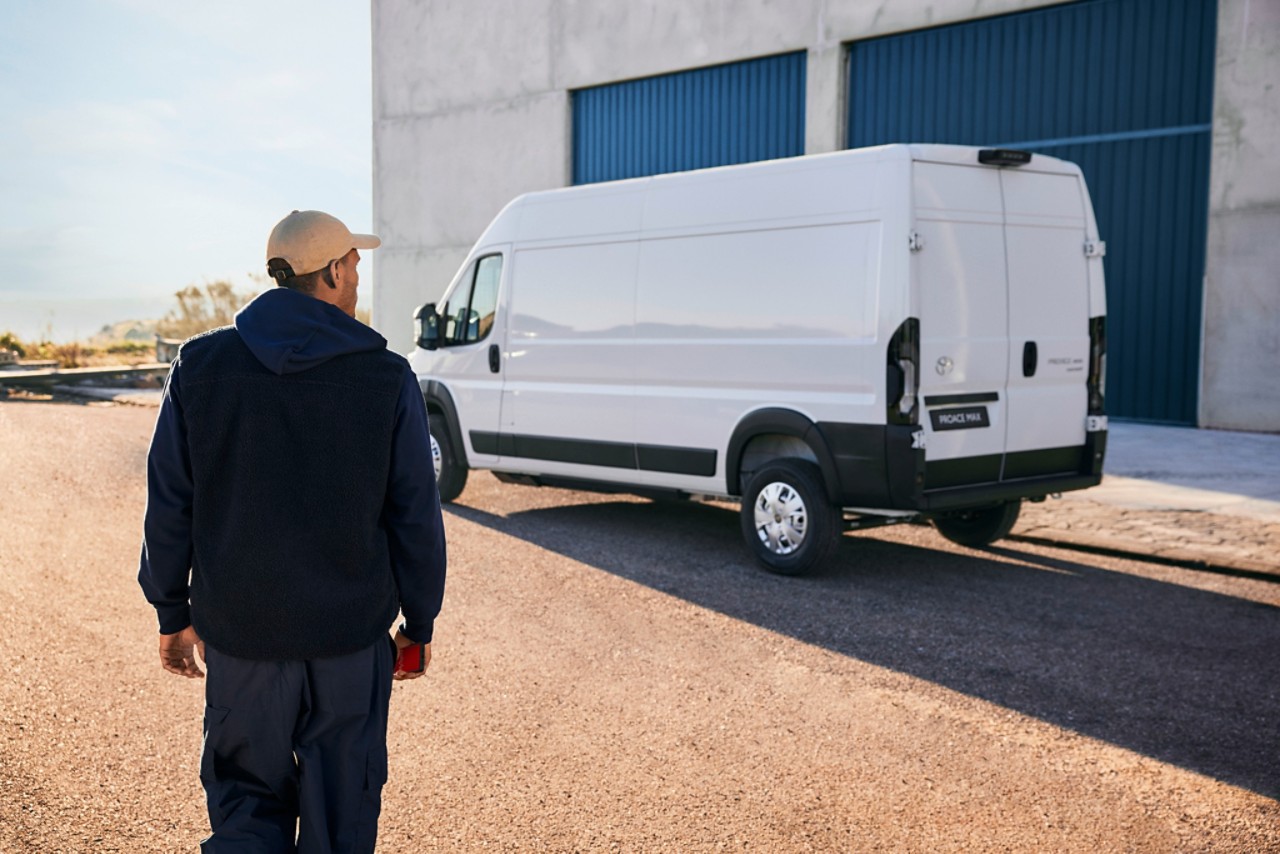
(611, 674)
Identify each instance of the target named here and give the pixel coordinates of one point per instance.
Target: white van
(839, 341)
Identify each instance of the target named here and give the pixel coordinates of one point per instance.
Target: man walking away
(291, 513)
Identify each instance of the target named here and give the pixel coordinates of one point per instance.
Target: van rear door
(1045, 234)
(960, 286)
(1002, 289)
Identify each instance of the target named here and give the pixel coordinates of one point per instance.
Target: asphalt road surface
(611, 673)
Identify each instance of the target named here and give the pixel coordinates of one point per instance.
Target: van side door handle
(495, 358)
(1029, 359)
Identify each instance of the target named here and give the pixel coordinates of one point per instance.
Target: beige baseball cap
(309, 240)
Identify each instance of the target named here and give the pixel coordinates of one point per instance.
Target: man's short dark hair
(280, 271)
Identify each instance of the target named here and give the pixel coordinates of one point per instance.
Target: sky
(148, 145)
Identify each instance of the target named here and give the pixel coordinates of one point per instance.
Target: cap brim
(365, 241)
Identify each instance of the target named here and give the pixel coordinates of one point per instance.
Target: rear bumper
(876, 466)
(969, 496)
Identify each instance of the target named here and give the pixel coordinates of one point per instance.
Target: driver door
(470, 359)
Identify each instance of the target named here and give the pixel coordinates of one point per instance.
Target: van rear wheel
(980, 527)
(451, 474)
(787, 521)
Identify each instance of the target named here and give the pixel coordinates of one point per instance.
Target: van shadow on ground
(1181, 675)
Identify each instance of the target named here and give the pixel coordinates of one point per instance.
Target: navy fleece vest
(290, 474)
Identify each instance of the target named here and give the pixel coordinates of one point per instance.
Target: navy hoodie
(291, 501)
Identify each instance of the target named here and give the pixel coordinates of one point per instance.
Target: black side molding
(699, 462)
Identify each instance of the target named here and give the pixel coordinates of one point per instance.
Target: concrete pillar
(1239, 386)
(824, 116)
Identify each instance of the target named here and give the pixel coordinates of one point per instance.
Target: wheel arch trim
(437, 395)
(785, 422)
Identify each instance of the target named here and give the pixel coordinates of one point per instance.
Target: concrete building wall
(1241, 364)
(471, 108)
(471, 101)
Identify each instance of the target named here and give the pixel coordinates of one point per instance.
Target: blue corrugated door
(736, 113)
(1121, 87)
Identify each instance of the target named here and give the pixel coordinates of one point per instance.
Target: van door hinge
(1095, 248)
(915, 241)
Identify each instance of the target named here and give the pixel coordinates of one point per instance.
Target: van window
(468, 315)
(580, 293)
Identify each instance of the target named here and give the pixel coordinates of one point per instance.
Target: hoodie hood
(291, 332)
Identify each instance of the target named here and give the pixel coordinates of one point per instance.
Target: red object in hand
(410, 659)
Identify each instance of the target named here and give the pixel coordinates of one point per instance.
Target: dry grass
(80, 354)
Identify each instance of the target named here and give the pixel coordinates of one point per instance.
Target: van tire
(980, 527)
(793, 490)
(451, 472)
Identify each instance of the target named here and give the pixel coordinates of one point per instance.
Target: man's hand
(401, 643)
(178, 653)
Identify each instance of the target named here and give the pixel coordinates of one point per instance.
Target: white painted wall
(471, 108)
(1241, 383)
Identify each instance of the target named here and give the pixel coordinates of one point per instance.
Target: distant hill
(125, 330)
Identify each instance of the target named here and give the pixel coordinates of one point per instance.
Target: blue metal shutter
(1122, 87)
(736, 113)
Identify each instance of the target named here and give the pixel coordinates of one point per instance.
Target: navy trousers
(295, 752)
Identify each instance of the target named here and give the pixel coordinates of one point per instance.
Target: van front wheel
(788, 522)
(980, 527)
(451, 474)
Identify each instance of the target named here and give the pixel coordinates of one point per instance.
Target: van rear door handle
(1029, 357)
(495, 363)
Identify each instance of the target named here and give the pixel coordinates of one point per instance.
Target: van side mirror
(426, 326)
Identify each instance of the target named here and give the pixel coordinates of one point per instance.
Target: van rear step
(858, 521)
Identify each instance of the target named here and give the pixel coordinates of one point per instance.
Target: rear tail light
(902, 373)
(1097, 365)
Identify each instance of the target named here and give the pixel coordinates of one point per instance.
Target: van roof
(933, 152)
(967, 155)
(507, 224)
